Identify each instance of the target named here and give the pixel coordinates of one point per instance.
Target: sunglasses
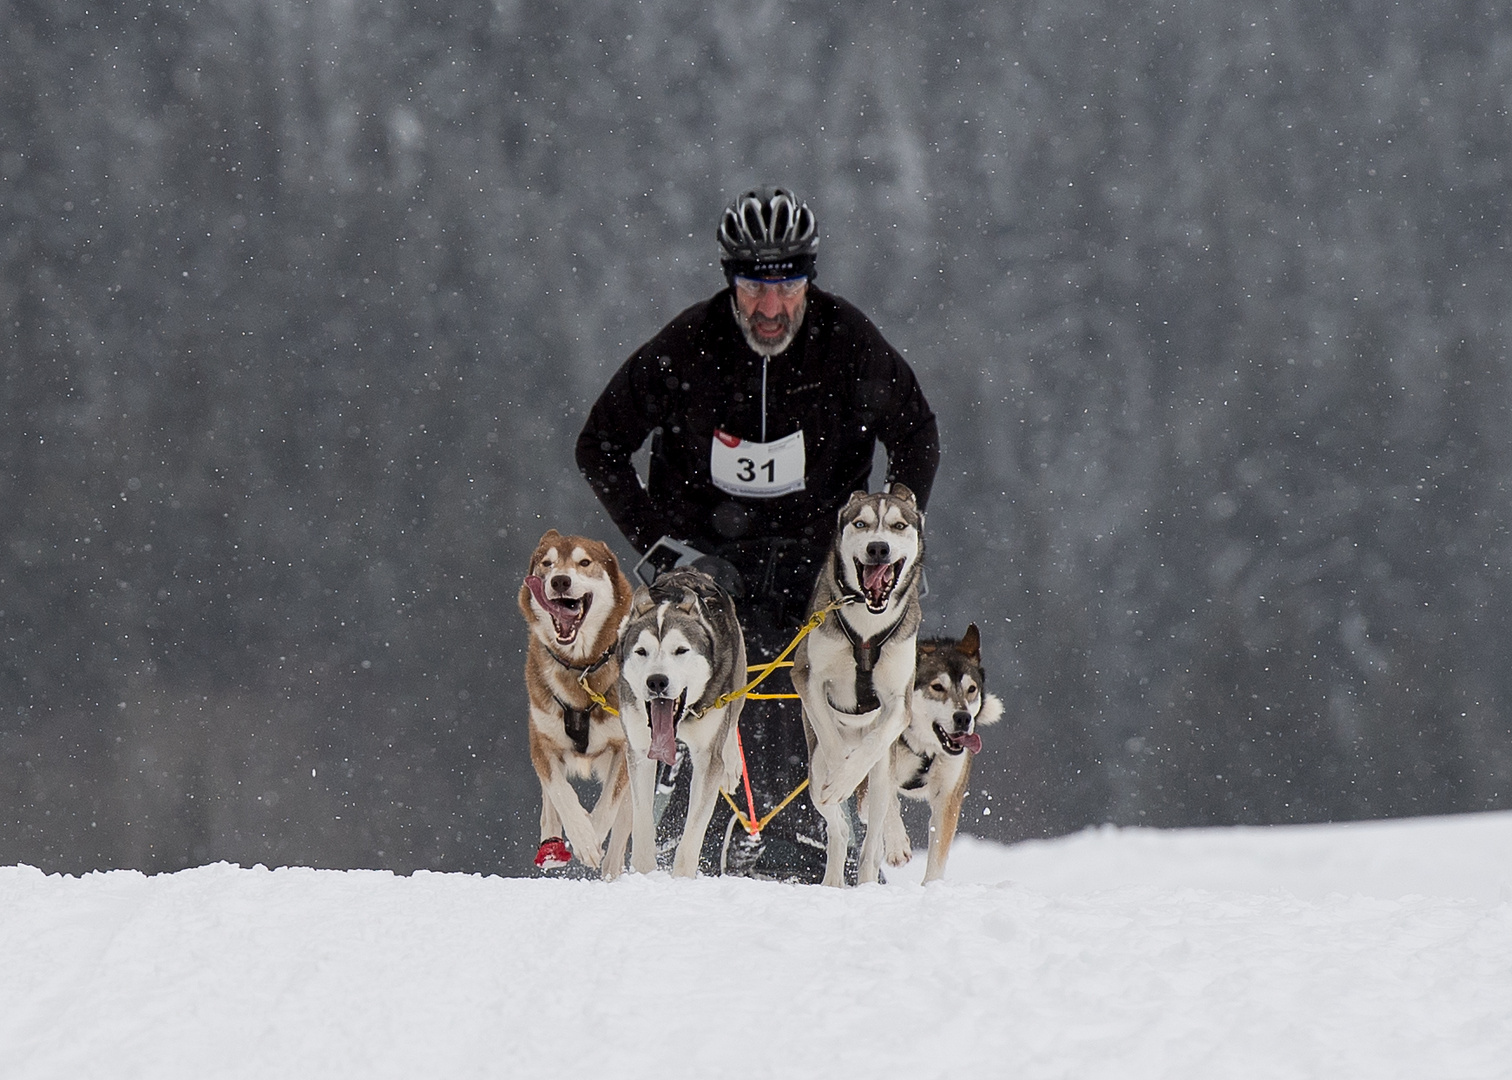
(787, 288)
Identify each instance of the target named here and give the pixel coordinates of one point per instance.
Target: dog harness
(865, 654)
(575, 723)
(921, 770)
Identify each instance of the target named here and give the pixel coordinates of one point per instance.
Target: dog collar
(586, 669)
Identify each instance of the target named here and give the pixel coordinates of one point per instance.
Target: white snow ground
(1372, 951)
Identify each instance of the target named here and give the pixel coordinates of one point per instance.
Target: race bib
(757, 470)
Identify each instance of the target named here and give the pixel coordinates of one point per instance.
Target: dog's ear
(550, 538)
(971, 644)
(855, 497)
(902, 493)
(619, 583)
(703, 584)
(641, 602)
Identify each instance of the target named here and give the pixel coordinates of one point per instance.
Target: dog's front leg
(611, 816)
(836, 823)
(826, 744)
(702, 793)
(874, 746)
(642, 819)
(551, 822)
(879, 794)
(619, 839)
(896, 848)
(586, 842)
(541, 758)
(944, 816)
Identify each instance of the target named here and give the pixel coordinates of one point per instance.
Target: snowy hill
(1373, 950)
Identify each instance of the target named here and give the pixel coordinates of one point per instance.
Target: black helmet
(768, 232)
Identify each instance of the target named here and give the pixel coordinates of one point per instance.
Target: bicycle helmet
(768, 232)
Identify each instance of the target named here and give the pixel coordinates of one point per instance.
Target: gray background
(301, 305)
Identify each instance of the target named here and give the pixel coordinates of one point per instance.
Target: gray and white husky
(931, 761)
(681, 650)
(855, 671)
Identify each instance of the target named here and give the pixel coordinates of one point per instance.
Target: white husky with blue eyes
(681, 652)
(855, 671)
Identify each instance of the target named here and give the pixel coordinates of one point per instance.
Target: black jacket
(839, 381)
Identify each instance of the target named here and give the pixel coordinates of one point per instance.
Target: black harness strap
(926, 762)
(865, 654)
(575, 723)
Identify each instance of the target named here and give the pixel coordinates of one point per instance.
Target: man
(764, 405)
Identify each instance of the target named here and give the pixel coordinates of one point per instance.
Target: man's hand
(722, 571)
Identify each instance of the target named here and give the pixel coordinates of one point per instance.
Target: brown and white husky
(931, 761)
(574, 599)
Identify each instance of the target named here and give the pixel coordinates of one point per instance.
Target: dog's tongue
(972, 742)
(563, 618)
(537, 589)
(877, 577)
(663, 730)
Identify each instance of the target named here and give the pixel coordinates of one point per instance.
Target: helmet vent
(767, 226)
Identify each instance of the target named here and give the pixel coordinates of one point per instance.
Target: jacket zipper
(764, 361)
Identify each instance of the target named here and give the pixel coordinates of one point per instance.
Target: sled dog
(854, 673)
(931, 761)
(681, 650)
(574, 599)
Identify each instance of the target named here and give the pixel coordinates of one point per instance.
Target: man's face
(770, 311)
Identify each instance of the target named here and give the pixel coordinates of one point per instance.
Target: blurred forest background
(301, 303)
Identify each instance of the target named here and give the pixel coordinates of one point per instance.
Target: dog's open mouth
(567, 612)
(878, 581)
(664, 712)
(958, 742)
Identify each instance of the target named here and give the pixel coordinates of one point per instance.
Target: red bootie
(553, 854)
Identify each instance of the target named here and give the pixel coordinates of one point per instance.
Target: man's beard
(777, 345)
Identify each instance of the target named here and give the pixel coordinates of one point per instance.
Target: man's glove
(664, 555)
(667, 554)
(722, 571)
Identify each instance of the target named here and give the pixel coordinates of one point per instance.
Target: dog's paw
(895, 846)
(553, 854)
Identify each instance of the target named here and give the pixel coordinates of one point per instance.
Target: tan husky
(574, 599)
(931, 761)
